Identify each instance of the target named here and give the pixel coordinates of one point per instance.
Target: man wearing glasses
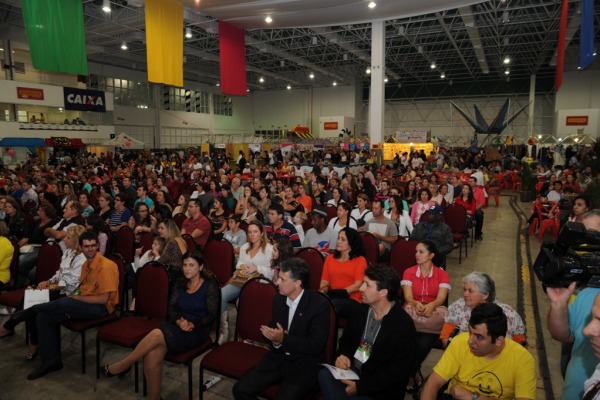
(197, 225)
(96, 296)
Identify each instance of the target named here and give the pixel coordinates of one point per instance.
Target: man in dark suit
(298, 330)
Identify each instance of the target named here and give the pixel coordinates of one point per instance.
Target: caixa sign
(84, 100)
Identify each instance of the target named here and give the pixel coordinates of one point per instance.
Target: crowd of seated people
(260, 209)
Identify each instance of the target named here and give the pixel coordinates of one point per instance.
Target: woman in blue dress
(193, 307)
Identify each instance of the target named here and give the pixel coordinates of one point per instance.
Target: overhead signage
(330, 126)
(30, 93)
(577, 120)
(413, 137)
(84, 100)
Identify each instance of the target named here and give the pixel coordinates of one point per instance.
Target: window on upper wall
(222, 105)
(126, 93)
(185, 100)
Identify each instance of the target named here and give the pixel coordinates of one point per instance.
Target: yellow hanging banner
(164, 42)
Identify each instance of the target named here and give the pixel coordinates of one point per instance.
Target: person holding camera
(566, 322)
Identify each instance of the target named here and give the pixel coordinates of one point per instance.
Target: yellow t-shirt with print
(510, 375)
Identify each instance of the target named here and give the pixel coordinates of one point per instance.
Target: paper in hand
(339, 373)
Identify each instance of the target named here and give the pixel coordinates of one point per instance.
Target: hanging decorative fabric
(560, 52)
(164, 42)
(56, 35)
(232, 48)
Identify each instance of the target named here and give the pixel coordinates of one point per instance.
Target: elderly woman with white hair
(478, 288)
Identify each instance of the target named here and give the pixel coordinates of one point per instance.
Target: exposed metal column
(158, 98)
(377, 94)
(9, 74)
(531, 104)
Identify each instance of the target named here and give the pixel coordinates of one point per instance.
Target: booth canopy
(64, 142)
(22, 142)
(125, 141)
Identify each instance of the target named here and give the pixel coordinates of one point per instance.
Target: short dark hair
(298, 270)
(492, 316)
(88, 235)
(278, 208)
(386, 278)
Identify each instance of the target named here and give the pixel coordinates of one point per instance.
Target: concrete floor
(505, 254)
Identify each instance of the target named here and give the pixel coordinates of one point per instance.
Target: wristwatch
(474, 396)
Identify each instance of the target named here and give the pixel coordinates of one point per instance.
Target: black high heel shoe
(109, 374)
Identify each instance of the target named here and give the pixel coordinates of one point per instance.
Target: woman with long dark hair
(193, 307)
(425, 288)
(344, 271)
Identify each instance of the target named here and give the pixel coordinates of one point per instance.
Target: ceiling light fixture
(106, 6)
(334, 83)
(218, 84)
(372, 4)
(401, 30)
(289, 87)
(506, 41)
(443, 75)
(268, 20)
(345, 57)
(314, 40)
(506, 60)
(124, 45)
(433, 65)
(505, 17)
(261, 79)
(188, 32)
(507, 72)
(311, 76)
(420, 49)
(385, 79)
(368, 71)
(282, 63)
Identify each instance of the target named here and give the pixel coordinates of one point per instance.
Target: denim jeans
(228, 293)
(52, 314)
(333, 389)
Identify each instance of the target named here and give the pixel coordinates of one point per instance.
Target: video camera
(565, 261)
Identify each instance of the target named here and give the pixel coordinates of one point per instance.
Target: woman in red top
(344, 271)
(467, 200)
(425, 287)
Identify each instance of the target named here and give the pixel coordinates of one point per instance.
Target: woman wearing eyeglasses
(121, 214)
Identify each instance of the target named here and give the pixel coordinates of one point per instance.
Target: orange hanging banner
(164, 42)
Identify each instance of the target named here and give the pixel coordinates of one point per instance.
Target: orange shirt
(340, 274)
(99, 276)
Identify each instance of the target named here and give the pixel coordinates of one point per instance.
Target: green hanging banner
(56, 35)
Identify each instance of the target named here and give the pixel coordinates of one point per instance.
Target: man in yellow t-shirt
(484, 364)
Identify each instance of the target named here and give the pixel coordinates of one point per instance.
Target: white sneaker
(6, 311)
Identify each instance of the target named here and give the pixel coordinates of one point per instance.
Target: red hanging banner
(232, 49)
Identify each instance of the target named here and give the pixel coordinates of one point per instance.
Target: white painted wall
(286, 108)
(579, 95)
(443, 121)
(592, 128)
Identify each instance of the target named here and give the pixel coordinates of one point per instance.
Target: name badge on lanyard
(363, 352)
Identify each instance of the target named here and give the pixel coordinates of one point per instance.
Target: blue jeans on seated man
(334, 389)
(51, 315)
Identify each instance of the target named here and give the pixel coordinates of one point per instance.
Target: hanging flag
(56, 35)
(232, 47)
(562, 37)
(164, 42)
(586, 35)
